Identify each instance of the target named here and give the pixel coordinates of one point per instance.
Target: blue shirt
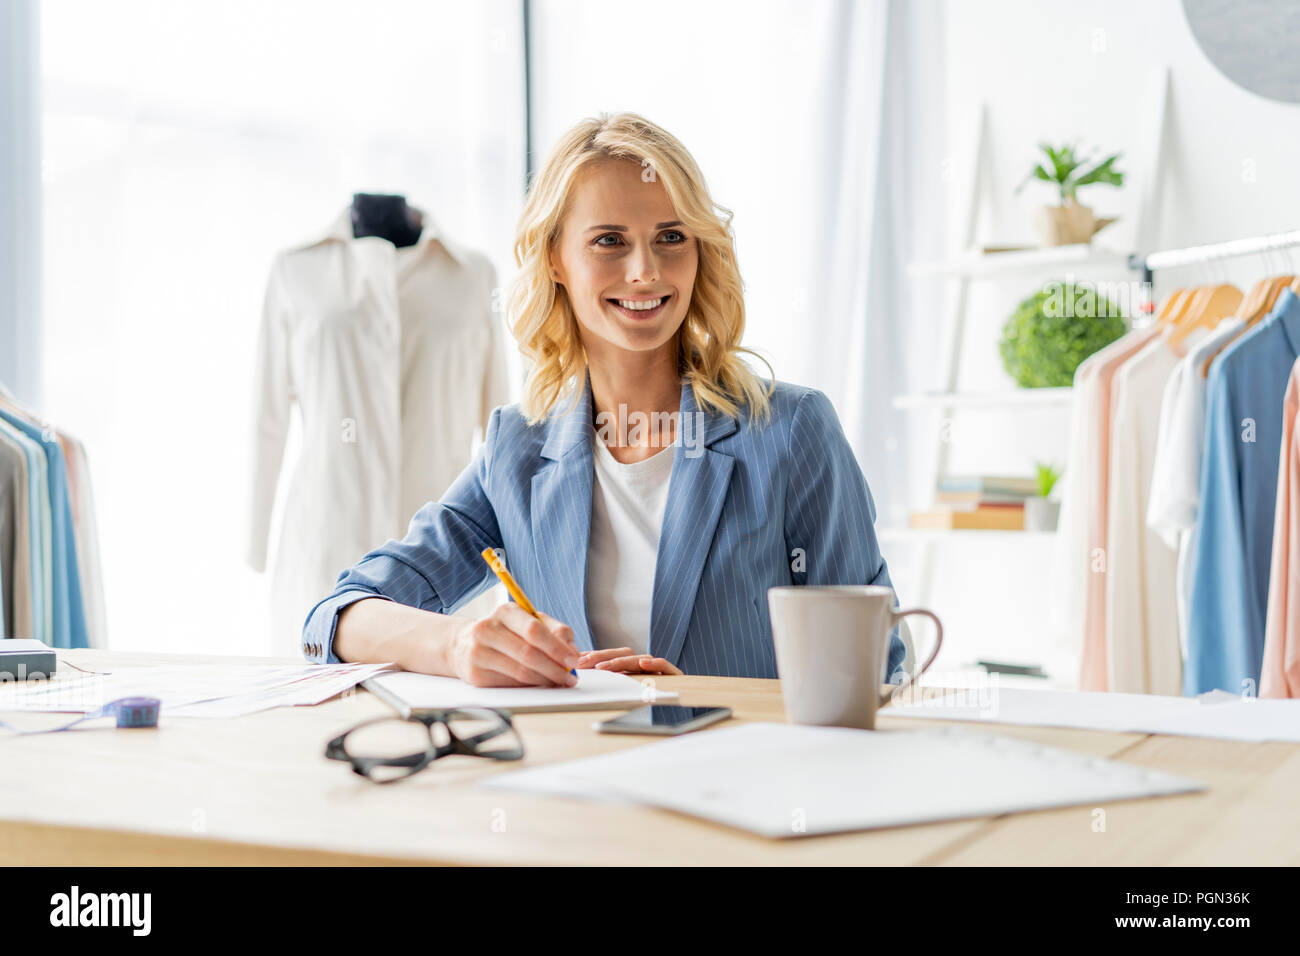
(750, 506)
(1233, 541)
(69, 613)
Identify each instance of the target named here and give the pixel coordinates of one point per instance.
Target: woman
(650, 488)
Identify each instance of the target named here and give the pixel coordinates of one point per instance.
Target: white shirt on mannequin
(393, 358)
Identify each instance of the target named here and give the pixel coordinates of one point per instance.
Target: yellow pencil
(494, 562)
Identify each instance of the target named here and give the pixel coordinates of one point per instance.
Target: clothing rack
(51, 576)
(1231, 249)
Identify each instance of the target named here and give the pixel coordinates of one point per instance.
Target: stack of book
(984, 502)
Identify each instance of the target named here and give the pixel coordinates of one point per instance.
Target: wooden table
(257, 790)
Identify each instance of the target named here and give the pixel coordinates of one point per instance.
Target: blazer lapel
(697, 490)
(561, 518)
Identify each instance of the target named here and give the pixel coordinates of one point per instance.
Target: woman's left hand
(622, 660)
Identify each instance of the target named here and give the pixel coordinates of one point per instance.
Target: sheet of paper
(206, 690)
(784, 780)
(1222, 716)
(406, 691)
(312, 685)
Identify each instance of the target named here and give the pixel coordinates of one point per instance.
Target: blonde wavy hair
(541, 315)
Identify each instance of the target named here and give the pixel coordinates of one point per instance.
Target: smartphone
(664, 720)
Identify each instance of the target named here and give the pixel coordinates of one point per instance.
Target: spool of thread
(134, 711)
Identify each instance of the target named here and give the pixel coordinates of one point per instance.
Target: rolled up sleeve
(435, 567)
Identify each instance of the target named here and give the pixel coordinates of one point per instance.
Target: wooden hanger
(1265, 293)
(1275, 291)
(1257, 304)
(1250, 304)
(1172, 301)
(1179, 308)
(1210, 304)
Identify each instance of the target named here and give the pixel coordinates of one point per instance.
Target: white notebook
(596, 690)
(783, 780)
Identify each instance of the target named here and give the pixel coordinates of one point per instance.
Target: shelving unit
(1081, 262)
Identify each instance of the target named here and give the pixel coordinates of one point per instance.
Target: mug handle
(896, 616)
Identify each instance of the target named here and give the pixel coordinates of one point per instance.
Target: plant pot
(1064, 225)
(1041, 514)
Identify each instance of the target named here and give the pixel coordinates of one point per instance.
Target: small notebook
(596, 690)
(783, 780)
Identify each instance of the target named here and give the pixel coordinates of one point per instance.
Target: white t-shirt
(627, 512)
(1176, 475)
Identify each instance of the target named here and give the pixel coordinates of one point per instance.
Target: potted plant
(1070, 221)
(1041, 514)
(1053, 330)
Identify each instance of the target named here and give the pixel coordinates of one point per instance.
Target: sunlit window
(184, 145)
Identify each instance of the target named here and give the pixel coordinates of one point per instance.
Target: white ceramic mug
(832, 645)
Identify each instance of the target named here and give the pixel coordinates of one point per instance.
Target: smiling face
(627, 263)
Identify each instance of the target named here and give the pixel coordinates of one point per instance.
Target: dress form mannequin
(387, 217)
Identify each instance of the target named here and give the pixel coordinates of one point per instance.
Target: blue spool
(135, 711)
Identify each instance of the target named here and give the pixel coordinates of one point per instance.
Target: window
(184, 145)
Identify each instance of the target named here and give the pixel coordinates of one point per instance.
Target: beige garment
(15, 540)
(1281, 671)
(40, 481)
(1081, 537)
(1143, 654)
(86, 535)
(393, 358)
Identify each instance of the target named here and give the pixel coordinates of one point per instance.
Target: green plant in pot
(1055, 329)
(1041, 513)
(1071, 221)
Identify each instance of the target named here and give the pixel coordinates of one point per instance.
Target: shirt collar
(340, 230)
(1286, 313)
(572, 422)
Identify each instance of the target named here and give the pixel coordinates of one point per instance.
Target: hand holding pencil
(516, 645)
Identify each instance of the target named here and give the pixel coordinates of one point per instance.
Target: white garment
(627, 512)
(394, 358)
(1142, 646)
(1176, 475)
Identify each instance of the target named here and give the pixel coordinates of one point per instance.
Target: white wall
(1057, 70)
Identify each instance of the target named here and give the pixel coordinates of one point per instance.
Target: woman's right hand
(511, 648)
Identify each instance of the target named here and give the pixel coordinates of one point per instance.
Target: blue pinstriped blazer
(750, 506)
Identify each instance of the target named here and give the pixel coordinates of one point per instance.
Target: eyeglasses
(388, 749)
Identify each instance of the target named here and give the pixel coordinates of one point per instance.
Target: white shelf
(1007, 398)
(1078, 259)
(971, 534)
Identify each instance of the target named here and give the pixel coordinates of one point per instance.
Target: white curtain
(20, 201)
(185, 144)
(808, 120)
(883, 206)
